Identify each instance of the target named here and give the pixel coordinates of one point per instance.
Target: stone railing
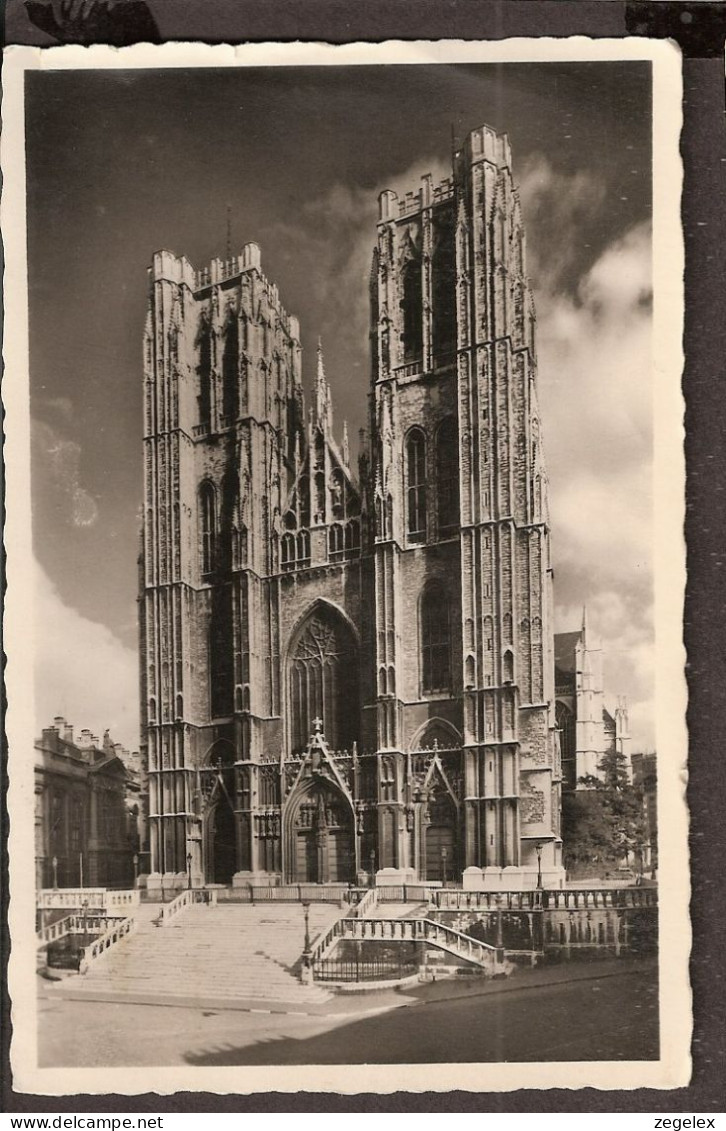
(55, 931)
(75, 898)
(445, 899)
(426, 931)
(367, 904)
(120, 930)
(404, 893)
(185, 899)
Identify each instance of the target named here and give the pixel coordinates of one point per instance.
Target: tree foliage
(604, 820)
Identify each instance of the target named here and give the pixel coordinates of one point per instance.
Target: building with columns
(350, 670)
(87, 813)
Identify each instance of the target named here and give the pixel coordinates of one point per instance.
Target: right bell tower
(454, 366)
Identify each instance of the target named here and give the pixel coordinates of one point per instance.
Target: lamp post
(54, 862)
(538, 850)
(306, 946)
(189, 870)
(136, 868)
(373, 867)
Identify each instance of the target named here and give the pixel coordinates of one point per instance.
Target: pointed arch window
(447, 476)
(324, 682)
(416, 485)
(435, 640)
(208, 519)
(230, 370)
(443, 288)
(412, 310)
(204, 372)
(336, 540)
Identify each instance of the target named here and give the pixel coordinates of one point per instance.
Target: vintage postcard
(345, 493)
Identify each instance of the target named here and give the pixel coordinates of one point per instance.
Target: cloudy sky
(120, 164)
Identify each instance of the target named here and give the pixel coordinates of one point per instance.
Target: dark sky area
(121, 163)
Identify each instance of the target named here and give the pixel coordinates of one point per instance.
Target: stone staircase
(229, 951)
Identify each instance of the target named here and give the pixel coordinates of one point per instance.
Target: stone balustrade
(185, 899)
(367, 904)
(96, 898)
(410, 930)
(566, 899)
(114, 935)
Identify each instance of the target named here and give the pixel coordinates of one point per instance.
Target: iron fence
(368, 970)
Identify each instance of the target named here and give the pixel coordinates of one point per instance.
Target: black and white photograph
(345, 566)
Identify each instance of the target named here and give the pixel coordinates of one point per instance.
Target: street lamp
(538, 850)
(54, 862)
(306, 948)
(189, 869)
(373, 867)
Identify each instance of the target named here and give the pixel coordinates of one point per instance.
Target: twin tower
(347, 674)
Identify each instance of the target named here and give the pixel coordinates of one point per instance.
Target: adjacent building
(86, 810)
(350, 670)
(587, 730)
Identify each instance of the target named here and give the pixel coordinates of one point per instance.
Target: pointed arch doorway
(220, 839)
(321, 836)
(441, 837)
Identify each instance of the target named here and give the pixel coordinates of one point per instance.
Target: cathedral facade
(348, 673)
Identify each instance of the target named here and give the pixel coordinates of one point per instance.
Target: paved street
(603, 1014)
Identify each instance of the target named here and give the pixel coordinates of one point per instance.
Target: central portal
(324, 844)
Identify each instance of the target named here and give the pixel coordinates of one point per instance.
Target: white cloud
(82, 671)
(596, 394)
(59, 465)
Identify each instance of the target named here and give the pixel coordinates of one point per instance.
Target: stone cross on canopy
(318, 726)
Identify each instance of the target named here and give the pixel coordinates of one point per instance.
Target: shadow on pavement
(608, 1018)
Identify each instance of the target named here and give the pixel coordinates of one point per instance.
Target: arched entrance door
(221, 841)
(323, 841)
(441, 838)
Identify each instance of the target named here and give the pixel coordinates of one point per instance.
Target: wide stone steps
(234, 952)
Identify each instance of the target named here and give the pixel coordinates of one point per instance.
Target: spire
(320, 387)
(346, 445)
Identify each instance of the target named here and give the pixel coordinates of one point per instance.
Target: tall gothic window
(435, 640)
(443, 288)
(208, 522)
(412, 310)
(447, 476)
(230, 370)
(204, 371)
(565, 719)
(416, 485)
(324, 682)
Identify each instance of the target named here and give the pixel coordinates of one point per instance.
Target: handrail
(408, 930)
(569, 899)
(75, 924)
(185, 899)
(49, 898)
(54, 930)
(100, 945)
(366, 904)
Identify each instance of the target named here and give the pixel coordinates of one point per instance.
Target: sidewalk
(377, 1001)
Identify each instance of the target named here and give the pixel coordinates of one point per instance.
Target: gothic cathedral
(349, 675)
